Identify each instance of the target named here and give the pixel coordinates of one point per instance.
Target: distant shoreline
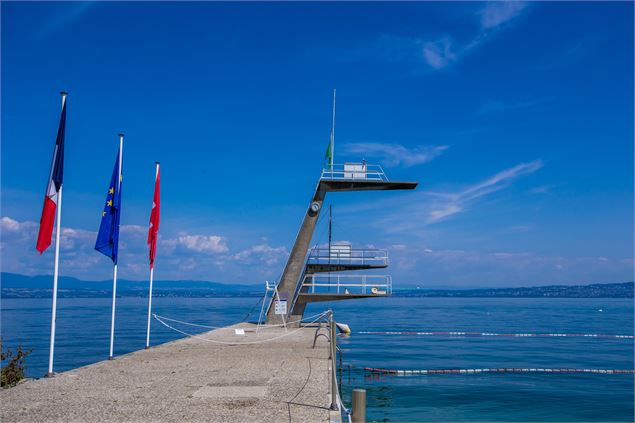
(606, 290)
(20, 286)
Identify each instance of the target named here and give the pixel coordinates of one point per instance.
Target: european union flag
(108, 235)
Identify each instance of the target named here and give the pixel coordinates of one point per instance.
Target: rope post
(359, 406)
(333, 354)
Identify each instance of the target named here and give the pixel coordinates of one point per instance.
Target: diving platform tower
(308, 276)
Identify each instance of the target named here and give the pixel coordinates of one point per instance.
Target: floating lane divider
(486, 334)
(500, 370)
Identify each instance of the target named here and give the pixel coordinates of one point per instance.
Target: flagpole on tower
(152, 239)
(333, 133)
(56, 265)
(114, 276)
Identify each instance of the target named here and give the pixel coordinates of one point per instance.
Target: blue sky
(516, 119)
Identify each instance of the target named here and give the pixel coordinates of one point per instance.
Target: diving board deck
(189, 380)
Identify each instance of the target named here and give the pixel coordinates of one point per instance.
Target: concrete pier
(280, 380)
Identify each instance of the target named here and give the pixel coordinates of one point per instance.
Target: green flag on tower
(328, 157)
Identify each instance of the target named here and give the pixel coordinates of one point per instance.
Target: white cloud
(496, 13)
(203, 253)
(396, 154)
(438, 54)
(8, 224)
(203, 244)
(262, 253)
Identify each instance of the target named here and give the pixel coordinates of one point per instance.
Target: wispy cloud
(66, 15)
(439, 54)
(431, 207)
(498, 181)
(542, 189)
(497, 13)
(396, 154)
(444, 50)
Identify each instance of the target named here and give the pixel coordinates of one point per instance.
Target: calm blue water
(83, 330)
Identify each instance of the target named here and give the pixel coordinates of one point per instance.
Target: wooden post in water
(359, 406)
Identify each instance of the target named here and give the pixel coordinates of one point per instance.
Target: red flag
(154, 218)
(56, 176)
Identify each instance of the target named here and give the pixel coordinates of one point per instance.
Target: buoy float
(343, 328)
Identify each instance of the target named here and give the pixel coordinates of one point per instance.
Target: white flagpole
(114, 276)
(112, 317)
(151, 270)
(56, 266)
(149, 308)
(333, 134)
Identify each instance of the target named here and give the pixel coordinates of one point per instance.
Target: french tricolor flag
(54, 187)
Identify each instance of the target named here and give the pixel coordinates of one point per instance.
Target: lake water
(83, 333)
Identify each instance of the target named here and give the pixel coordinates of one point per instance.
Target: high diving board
(341, 185)
(335, 178)
(358, 177)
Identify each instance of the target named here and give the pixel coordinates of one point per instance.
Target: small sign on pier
(280, 307)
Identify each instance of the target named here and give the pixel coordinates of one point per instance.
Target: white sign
(281, 307)
(239, 331)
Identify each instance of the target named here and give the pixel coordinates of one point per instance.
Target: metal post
(149, 308)
(262, 307)
(114, 273)
(55, 276)
(359, 406)
(333, 347)
(112, 314)
(333, 134)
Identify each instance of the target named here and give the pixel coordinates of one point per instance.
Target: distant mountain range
(21, 286)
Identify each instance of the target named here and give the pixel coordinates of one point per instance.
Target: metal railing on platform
(354, 171)
(348, 256)
(324, 283)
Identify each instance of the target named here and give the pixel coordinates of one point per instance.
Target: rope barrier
(158, 318)
(488, 334)
(499, 370)
(225, 327)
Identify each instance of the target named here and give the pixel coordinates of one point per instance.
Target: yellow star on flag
(111, 191)
(109, 203)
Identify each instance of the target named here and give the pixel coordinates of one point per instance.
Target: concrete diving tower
(304, 279)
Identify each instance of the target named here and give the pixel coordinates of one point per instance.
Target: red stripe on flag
(46, 225)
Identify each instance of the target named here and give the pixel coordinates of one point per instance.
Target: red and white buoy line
(394, 372)
(488, 334)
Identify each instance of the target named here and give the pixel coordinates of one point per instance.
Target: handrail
(354, 171)
(369, 284)
(347, 256)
